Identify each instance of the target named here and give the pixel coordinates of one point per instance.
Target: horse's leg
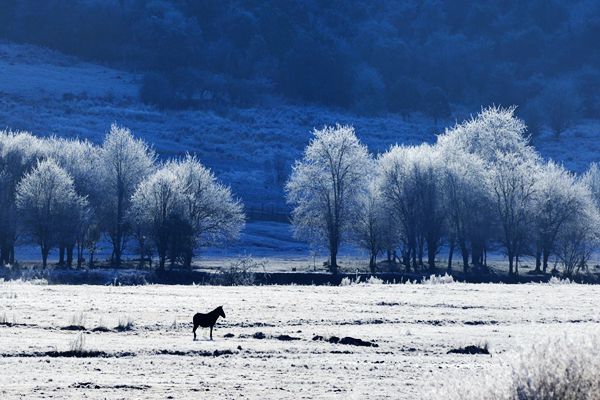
(195, 327)
(211, 332)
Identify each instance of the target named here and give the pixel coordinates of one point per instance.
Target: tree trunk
(61, 255)
(450, 254)
(372, 263)
(4, 254)
(118, 233)
(79, 255)
(188, 255)
(510, 263)
(333, 267)
(538, 261)
(545, 256)
(44, 257)
(406, 259)
(464, 251)
(70, 255)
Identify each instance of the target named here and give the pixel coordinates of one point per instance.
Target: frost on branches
(326, 187)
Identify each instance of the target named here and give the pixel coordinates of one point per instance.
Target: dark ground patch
(481, 322)
(470, 350)
(69, 354)
(229, 335)
(347, 340)
(383, 303)
(287, 338)
(258, 335)
(73, 328)
(215, 353)
(91, 385)
(101, 329)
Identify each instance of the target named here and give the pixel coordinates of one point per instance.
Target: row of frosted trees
(480, 186)
(69, 194)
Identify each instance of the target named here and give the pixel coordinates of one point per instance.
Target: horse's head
(221, 312)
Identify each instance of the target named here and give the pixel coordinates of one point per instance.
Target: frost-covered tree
(326, 187)
(559, 201)
(512, 182)
(491, 133)
(18, 154)
(499, 140)
(45, 198)
(370, 225)
(209, 207)
(155, 203)
(411, 183)
(80, 159)
(432, 219)
(182, 206)
(124, 162)
(578, 238)
(398, 187)
(468, 205)
(591, 179)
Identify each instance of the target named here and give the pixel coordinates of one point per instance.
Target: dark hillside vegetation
(362, 55)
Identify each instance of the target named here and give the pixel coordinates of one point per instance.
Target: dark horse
(208, 320)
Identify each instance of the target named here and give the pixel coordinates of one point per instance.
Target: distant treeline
(369, 56)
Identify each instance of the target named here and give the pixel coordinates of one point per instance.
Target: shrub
(240, 272)
(125, 324)
(346, 281)
(561, 369)
(438, 280)
(77, 346)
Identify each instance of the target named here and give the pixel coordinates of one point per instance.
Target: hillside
(251, 149)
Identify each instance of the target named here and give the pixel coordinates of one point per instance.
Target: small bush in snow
(125, 324)
(77, 346)
(558, 281)
(373, 280)
(240, 272)
(438, 280)
(346, 281)
(78, 319)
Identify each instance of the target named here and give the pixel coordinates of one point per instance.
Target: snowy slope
(49, 93)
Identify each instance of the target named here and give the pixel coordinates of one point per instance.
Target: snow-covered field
(414, 326)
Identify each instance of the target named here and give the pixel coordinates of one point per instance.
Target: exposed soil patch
(347, 340)
(101, 329)
(91, 385)
(215, 353)
(259, 335)
(470, 350)
(229, 335)
(287, 338)
(11, 324)
(481, 322)
(73, 328)
(69, 353)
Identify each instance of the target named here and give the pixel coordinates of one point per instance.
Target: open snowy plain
(413, 325)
